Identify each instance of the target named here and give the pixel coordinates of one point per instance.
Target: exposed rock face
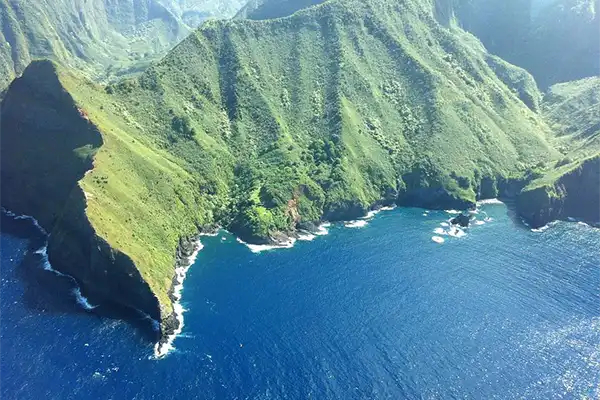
(434, 198)
(575, 194)
(462, 220)
(56, 145)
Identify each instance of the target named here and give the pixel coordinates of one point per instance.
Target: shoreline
(184, 262)
(305, 235)
(80, 299)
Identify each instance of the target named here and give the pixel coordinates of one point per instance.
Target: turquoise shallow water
(377, 312)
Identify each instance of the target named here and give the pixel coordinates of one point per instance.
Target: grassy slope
(138, 198)
(263, 126)
(572, 109)
(101, 38)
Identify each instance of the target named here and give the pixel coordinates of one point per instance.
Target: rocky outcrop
(575, 194)
(462, 220)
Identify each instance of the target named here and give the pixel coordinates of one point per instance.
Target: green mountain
(573, 110)
(100, 37)
(265, 127)
(555, 40)
(194, 12)
(269, 9)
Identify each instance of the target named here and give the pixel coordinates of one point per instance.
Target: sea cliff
(575, 193)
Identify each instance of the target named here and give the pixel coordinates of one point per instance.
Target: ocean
(387, 308)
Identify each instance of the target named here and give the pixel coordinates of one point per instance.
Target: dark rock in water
(462, 220)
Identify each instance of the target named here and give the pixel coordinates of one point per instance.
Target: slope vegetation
(102, 37)
(555, 40)
(269, 9)
(266, 127)
(571, 188)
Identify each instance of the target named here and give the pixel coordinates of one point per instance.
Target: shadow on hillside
(45, 291)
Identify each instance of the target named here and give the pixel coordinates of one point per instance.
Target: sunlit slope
(102, 38)
(269, 9)
(571, 187)
(265, 127)
(334, 109)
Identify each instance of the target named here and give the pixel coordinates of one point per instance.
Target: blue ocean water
(379, 312)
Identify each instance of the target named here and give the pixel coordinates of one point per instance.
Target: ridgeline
(266, 127)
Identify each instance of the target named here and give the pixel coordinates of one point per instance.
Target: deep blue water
(380, 312)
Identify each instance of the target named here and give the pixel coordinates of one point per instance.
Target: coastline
(80, 299)
(172, 326)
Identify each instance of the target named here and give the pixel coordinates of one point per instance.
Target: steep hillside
(267, 127)
(194, 12)
(269, 9)
(572, 187)
(544, 37)
(101, 38)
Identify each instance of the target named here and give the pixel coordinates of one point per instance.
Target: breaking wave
(356, 224)
(162, 349)
(82, 300)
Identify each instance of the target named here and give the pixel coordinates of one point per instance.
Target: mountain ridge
(270, 127)
(101, 38)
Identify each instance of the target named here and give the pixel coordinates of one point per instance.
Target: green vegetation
(265, 126)
(269, 9)
(104, 39)
(571, 187)
(555, 40)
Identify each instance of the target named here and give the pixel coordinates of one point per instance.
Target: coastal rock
(575, 194)
(462, 220)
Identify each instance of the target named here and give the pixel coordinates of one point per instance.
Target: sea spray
(161, 349)
(82, 300)
(28, 218)
(323, 229)
(306, 236)
(259, 248)
(438, 239)
(45, 261)
(489, 201)
(457, 232)
(356, 224)
(371, 214)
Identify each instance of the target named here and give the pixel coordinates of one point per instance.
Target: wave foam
(162, 349)
(323, 230)
(259, 248)
(356, 224)
(373, 213)
(489, 201)
(306, 236)
(211, 234)
(457, 232)
(82, 300)
(541, 229)
(479, 222)
(452, 211)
